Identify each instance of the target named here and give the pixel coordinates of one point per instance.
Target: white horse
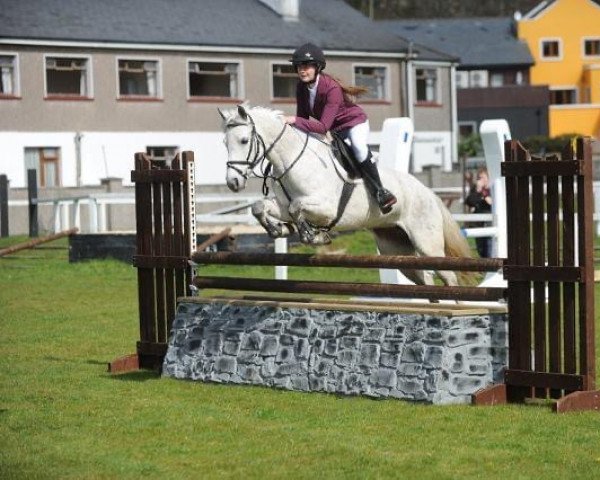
(313, 194)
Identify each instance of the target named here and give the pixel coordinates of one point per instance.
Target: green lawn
(63, 416)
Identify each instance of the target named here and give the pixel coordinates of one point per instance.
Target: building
(564, 39)
(492, 77)
(87, 83)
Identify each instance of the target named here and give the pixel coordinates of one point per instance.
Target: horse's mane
(265, 111)
(269, 113)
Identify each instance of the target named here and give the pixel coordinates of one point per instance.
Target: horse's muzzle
(234, 185)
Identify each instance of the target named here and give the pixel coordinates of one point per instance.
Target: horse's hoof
(273, 233)
(322, 238)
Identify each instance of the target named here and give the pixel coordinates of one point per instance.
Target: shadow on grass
(51, 358)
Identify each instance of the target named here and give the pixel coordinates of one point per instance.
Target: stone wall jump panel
(435, 358)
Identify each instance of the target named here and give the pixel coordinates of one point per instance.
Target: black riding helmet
(309, 53)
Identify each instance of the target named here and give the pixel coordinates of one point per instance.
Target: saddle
(344, 155)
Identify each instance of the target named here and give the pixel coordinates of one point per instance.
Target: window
(478, 78)
(375, 79)
(462, 79)
(46, 161)
(164, 154)
(427, 83)
(466, 129)
(496, 79)
(563, 96)
(139, 78)
(214, 79)
(591, 47)
(67, 76)
(519, 78)
(8, 76)
(550, 49)
(285, 80)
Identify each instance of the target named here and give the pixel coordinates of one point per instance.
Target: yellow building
(564, 39)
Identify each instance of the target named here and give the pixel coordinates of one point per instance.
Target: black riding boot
(384, 198)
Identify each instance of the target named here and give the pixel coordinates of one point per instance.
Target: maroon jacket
(331, 111)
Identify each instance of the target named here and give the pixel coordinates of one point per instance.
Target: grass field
(62, 415)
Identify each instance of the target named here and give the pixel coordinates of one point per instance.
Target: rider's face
(307, 72)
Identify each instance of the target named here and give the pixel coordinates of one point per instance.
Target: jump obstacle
(549, 270)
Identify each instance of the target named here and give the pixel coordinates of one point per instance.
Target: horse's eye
(244, 141)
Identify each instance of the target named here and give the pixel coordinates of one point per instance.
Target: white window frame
(88, 71)
(159, 80)
(492, 76)
(565, 87)
(469, 123)
(585, 39)
(386, 83)
(16, 75)
(240, 79)
(272, 83)
(559, 57)
(438, 86)
(484, 75)
(464, 79)
(519, 78)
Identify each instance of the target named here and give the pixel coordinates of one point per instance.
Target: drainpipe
(78, 137)
(410, 104)
(454, 107)
(410, 112)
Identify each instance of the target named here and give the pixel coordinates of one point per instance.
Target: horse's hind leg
(395, 241)
(269, 214)
(429, 242)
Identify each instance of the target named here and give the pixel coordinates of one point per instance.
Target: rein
(255, 157)
(258, 143)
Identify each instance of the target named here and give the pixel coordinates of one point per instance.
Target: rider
(323, 98)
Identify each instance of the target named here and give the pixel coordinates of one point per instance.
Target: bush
(470, 146)
(541, 145)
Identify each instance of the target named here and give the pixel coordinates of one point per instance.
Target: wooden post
(3, 206)
(560, 333)
(32, 196)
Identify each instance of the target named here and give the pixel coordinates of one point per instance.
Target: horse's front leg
(275, 220)
(311, 215)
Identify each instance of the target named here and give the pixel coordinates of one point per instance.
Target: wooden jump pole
(37, 241)
(349, 261)
(341, 288)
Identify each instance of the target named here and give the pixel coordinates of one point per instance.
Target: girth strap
(347, 190)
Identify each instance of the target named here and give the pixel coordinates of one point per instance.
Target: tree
(391, 9)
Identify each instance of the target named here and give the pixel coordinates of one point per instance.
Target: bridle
(257, 154)
(254, 158)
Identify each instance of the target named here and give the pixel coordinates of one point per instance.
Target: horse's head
(242, 146)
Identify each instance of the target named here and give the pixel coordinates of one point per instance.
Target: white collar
(314, 87)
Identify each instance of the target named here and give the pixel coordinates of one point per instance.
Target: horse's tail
(455, 244)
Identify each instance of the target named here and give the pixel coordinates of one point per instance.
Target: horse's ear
(242, 111)
(225, 114)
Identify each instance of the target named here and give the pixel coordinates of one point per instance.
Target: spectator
(480, 201)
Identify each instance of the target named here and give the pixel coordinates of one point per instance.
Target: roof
(331, 24)
(477, 42)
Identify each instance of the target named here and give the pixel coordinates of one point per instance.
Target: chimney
(287, 9)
